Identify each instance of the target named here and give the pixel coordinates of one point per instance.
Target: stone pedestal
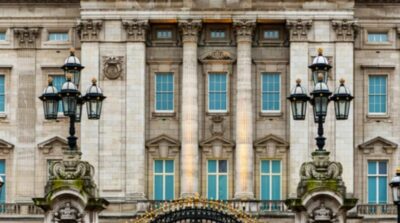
(70, 193)
(321, 193)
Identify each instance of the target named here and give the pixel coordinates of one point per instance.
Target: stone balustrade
(19, 209)
(376, 209)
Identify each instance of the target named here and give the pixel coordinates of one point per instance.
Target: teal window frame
(271, 34)
(217, 176)
(378, 37)
(217, 90)
(377, 180)
(2, 93)
(164, 34)
(58, 36)
(269, 174)
(164, 174)
(58, 81)
(271, 92)
(164, 92)
(2, 36)
(3, 175)
(218, 34)
(377, 94)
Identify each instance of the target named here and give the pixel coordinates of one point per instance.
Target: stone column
(299, 130)
(244, 161)
(190, 116)
(135, 108)
(90, 56)
(344, 130)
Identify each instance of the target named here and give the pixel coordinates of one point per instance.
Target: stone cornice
(89, 30)
(40, 1)
(190, 30)
(26, 37)
(244, 29)
(136, 30)
(299, 29)
(345, 30)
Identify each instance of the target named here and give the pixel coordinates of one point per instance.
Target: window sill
(163, 114)
(214, 113)
(271, 114)
(378, 117)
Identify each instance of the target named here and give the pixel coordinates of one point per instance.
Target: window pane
(2, 167)
(271, 34)
(169, 187)
(377, 37)
(372, 167)
(212, 185)
(276, 188)
(223, 187)
(212, 166)
(164, 92)
(169, 166)
(2, 93)
(58, 36)
(271, 92)
(218, 34)
(164, 34)
(372, 190)
(382, 167)
(265, 166)
(58, 81)
(265, 188)
(158, 187)
(377, 94)
(217, 92)
(158, 166)
(383, 184)
(276, 166)
(222, 166)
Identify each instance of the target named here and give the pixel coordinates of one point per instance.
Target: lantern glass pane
(50, 108)
(94, 109)
(76, 75)
(69, 105)
(299, 109)
(315, 76)
(342, 108)
(78, 113)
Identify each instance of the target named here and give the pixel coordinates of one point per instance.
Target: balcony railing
(376, 209)
(19, 209)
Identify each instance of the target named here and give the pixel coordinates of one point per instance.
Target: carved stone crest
(68, 213)
(26, 37)
(113, 67)
(217, 127)
(345, 30)
(89, 30)
(322, 214)
(299, 29)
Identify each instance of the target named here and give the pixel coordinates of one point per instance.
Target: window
(58, 81)
(2, 94)
(217, 92)
(377, 94)
(164, 92)
(271, 175)
(58, 36)
(217, 179)
(2, 36)
(378, 37)
(271, 34)
(3, 176)
(163, 179)
(164, 34)
(217, 34)
(271, 95)
(377, 182)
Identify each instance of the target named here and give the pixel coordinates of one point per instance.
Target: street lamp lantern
(94, 99)
(342, 99)
(320, 100)
(69, 95)
(395, 185)
(79, 105)
(50, 100)
(320, 66)
(73, 66)
(298, 99)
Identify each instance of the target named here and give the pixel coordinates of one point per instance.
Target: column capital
(299, 29)
(26, 37)
(89, 30)
(244, 29)
(345, 30)
(190, 29)
(136, 29)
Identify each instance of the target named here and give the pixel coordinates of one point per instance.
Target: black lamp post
(72, 101)
(320, 98)
(395, 185)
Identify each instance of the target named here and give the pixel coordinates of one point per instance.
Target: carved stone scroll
(299, 29)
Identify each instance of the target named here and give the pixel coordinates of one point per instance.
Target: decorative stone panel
(89, 30)
(136, 30)
(26, 37)
(47, 147)
(5, 147)
(345, 30)
(299, 29)
(190, 30)
(378, 145)
(113, 67)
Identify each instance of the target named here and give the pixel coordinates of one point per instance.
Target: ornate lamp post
(395, 185)
(320, 98)
(72, 101)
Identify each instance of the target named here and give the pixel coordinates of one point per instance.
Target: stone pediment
(217, 140)
(5, 147)
(217, 55)
(162, 139)
(48, 145)
(376, 143)
(279, 142)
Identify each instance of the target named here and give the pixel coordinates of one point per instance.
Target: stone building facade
(227, 67)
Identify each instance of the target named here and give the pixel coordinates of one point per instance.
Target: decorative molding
(217, 127)
(47, 146)
(345, 30)
(163, 146)
(219, 56)
(26, 37)
(190, 30)
(113, 67)
(5, 147)
(322, 214)
(377, 66)
(217, 146)
(244, 29)
(372, 144)
(68, 213)
(321, 168)
(136, 30)
(270, 145)
(299, 29)
(89, 30)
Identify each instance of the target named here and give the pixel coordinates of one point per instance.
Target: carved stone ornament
(218, 55)
(47, 146)
(217, 127)
(89, 30)
(321, 168)
(345, 30)
(298, 29)
(190, 29)
(322, 214)
(5, 147)
(244, 29)
(67, 213)
(113, 67)
(26, 37)
(136, 30)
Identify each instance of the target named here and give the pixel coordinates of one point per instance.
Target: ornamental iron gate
(195, 210)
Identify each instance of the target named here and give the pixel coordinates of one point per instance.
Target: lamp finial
(94, 81)
(320, 51)
(50, 80)
(398, 171)
(342, 81)
(72, 51)
(298, 81)
(68, 76)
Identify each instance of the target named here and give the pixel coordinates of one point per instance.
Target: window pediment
(217, 140)
(378, 145)
(217, 56)
(271, 145)
(217, 146)
(163, 146)
(55, 142)
(5, 147)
